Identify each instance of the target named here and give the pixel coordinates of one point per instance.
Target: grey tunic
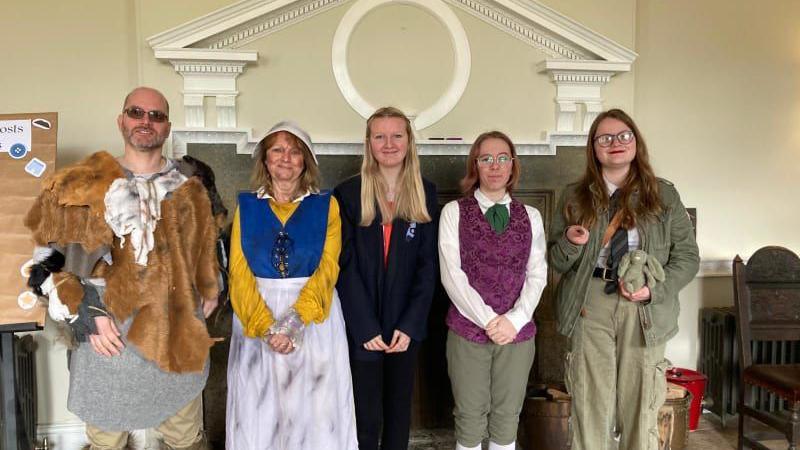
(127, 392)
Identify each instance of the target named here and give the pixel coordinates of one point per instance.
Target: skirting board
(63, 436)
(72, 436)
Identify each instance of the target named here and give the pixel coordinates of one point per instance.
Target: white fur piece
(47, 285)
(57, 310)
(41, 253)
(133, 208)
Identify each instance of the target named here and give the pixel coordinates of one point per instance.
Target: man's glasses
(136, 113)
(488, 160)
(605, 140)
(280, 253)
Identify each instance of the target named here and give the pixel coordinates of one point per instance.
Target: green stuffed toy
(637, 268)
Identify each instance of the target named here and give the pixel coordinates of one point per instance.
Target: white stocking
(495, 446)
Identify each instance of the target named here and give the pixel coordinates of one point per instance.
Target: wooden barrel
(544, 421)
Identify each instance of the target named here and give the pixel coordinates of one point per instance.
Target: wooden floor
(709, 436)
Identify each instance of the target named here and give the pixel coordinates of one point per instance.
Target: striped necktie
(618, 245)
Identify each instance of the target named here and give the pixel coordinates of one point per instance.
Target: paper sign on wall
(34, 136)
(15, 137)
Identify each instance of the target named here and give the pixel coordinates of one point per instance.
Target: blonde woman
(289, 384)
(388, 276)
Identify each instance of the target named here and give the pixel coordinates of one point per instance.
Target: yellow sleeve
(314, 301)
(247, 303)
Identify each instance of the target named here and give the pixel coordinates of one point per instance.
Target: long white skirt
(299, 401)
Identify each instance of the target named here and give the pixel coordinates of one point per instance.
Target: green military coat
(669, 238)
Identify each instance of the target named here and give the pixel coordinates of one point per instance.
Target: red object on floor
(695, 382)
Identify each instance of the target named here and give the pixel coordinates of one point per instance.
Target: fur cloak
(163, 298)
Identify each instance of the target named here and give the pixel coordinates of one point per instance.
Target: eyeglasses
(280, 253)
(136, 113)
(605, 140)
(488, 160)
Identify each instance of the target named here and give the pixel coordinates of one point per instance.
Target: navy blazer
(377, 298)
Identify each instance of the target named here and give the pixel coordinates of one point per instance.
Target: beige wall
(715, 90)
(65, 60)
(718, 95)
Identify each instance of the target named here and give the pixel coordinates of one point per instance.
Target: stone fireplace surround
(541, 181)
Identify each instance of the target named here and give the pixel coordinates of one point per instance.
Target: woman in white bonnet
(289, 385)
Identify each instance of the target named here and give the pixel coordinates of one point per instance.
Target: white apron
(299, 401)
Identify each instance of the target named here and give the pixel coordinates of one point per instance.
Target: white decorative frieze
(207, 53)
(268, 23)
(522, 29)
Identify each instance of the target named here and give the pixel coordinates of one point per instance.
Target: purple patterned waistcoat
(495, 265)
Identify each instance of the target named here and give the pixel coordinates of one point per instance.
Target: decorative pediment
(208, 53)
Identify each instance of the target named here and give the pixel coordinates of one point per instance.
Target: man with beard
(126, 258)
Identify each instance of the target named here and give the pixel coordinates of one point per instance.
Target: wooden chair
(767, 297)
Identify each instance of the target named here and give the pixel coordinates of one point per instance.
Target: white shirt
(633, 233)
(262, 193)
(465, 298)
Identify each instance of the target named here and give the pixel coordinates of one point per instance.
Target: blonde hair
(409, 203)
(261, 179)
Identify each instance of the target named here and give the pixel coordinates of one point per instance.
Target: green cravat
(497, 216)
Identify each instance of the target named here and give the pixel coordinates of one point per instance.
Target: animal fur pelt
(182, 263)
(70, 208)
(163, 297)
(46, 261)
(193, 167)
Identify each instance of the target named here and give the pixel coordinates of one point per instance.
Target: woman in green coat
(616, 367)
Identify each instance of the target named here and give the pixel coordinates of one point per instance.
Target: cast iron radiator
(25, 391)
(719, 361)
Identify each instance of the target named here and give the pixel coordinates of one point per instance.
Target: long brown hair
(261, 179)
(471, 180)
(410, 202)
(591, 196)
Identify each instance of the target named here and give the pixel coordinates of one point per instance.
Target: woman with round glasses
(289, 383)
(616, 366)
(493, 267)
(388, 276)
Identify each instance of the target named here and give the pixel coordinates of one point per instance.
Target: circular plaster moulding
(446, 102)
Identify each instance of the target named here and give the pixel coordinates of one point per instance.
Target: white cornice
(245, 143)
(214, 23)
(202, 54)
(568, 29)
(523, 28)
(268, 23)
(585, 65)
